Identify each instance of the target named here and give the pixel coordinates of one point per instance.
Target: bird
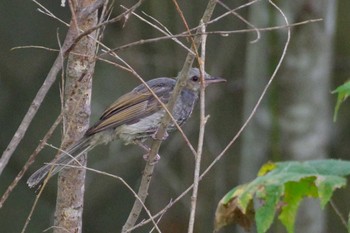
(132, 118)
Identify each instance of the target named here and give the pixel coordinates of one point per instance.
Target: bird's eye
(195, 78)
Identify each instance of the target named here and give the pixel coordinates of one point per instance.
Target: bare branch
(203, 120)
(244, 20)
(30, 160)
(222, 33)
(47, 12)
(25, 168)
(181, 35)
(50, 79)
(165, 31)
(339, 214)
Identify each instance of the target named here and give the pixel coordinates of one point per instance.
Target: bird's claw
(156, 159)
(146, 156)
(165, 136)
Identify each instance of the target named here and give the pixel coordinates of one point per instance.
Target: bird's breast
(140, 130)
(184, 106)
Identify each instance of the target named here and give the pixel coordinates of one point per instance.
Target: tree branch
(30, 160)
(76, 112)
(203, 120)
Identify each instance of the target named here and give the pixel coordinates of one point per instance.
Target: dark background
(107, 201)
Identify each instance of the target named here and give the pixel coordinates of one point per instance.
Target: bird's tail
(61, 160)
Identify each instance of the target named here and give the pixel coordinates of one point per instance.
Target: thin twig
(203, 120)
(33, 207)
(116, 19)
(50, 79)
(35, 47)
(165, 31)
(233, 10)
(126, 185)
(337, 211)
(185, 34)
(142, 193)
(223, 33)
(73, 10)
(46, 12)
(244, 20)
(30, 160)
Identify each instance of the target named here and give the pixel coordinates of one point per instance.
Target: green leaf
(266, 213)
(326, 186)
(294, 193)
(343, 92)
(279, 189)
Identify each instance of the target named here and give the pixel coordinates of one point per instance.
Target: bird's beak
(210, 79)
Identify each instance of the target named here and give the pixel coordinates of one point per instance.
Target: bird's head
(193, 81)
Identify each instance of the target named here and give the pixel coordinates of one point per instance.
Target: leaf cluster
(278, 190)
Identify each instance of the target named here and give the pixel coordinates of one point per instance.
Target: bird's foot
(147, 149)
(165, 136)
(156, 159)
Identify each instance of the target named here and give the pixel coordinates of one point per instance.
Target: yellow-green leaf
(279, 189)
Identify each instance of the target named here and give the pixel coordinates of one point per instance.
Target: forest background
(293, 122)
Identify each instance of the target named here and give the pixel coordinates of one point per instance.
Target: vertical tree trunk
(255, 138)
(77, 96)
(304, 94)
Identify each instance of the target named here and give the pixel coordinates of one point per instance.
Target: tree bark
(77, 98)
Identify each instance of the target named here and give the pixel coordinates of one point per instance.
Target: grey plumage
(133, 118)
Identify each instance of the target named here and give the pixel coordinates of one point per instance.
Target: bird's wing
(131, 107)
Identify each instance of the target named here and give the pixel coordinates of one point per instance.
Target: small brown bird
(133, 118)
